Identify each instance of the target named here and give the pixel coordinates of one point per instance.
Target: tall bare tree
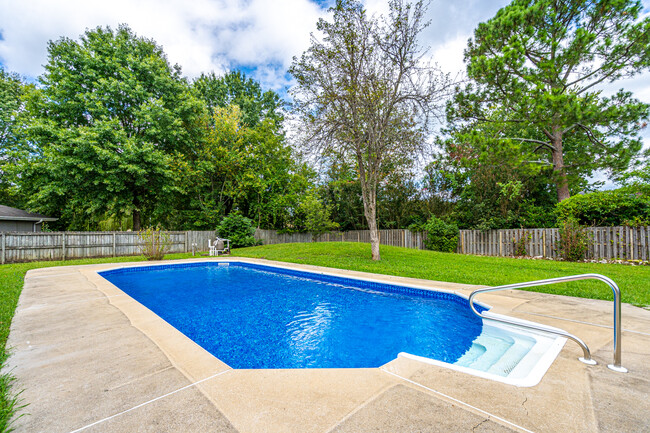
(365, 90)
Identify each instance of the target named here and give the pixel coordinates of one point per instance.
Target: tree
(341, 190)
(492, 183)
(539, 63)
(11, 106)
(235, 89)
(111, 114)
(317, 216)
(365, 92)
(236, 167)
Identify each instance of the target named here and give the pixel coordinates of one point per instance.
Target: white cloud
(261, 36)
(200, 35)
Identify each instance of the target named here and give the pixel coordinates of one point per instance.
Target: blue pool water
(253, 316)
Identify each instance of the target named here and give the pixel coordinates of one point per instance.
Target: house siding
(18, 226)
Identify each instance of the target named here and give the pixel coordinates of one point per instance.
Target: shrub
(574, 240)
(606, 208)
(154, 243)
(637, 221)
(441, 236)
(520, 244)
(238, 229)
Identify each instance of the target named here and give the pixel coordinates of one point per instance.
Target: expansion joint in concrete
(149, 402)
(460, 403)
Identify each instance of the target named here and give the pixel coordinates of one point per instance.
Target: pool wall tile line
(333, 279)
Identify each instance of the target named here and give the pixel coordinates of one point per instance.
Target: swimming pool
(256, 316)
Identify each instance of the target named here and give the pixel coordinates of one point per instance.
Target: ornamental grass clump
(154, 243)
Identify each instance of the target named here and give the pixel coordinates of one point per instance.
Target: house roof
(13, 214)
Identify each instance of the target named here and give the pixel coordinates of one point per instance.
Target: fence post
(500, 243)
(186, 236)
(4, 246)
(63, 245)
(114, 245)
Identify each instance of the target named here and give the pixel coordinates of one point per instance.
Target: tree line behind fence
(611, 243)
(27, 247)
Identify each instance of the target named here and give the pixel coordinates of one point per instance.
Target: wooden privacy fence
(611, 243)
(396, 237)
(27, 246)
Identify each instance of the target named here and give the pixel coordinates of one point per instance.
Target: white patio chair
(219, 246)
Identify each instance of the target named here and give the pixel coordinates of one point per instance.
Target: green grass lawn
(12, 277)
(634, 281)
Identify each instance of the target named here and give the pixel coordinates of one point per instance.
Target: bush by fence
(27, 246)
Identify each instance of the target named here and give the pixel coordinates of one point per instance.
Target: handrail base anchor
(587, 361)
(617, 368)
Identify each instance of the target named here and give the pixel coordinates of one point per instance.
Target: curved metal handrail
(616, 366)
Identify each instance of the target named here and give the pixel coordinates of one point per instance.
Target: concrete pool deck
(90, 358)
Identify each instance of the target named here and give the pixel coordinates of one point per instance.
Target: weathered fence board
(27, 246)
(610, 243)
(395, 237)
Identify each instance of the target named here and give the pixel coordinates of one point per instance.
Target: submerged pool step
(496, 352)
(475, 351)
(509, 360)
(493, 348)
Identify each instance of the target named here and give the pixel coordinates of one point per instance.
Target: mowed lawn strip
(634, 281)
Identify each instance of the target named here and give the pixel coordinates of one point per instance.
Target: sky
(259, 37)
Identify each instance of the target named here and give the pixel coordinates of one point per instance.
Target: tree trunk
(368, 180)
(136, 220)
(561, 181)
(368, 192)
(374, 234)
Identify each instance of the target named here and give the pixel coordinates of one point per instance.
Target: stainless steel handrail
(616, 366)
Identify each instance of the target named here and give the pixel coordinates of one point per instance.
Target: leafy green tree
(236, 167)
(11, 106)
(639, 178)
(10, 103)
(235, 89)
(341, 190)
(539, 63)
(400, 202)
(238, 229)
(206, 175)
(363, 92)
(491, 183)
(317, 216)
(110, 117)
